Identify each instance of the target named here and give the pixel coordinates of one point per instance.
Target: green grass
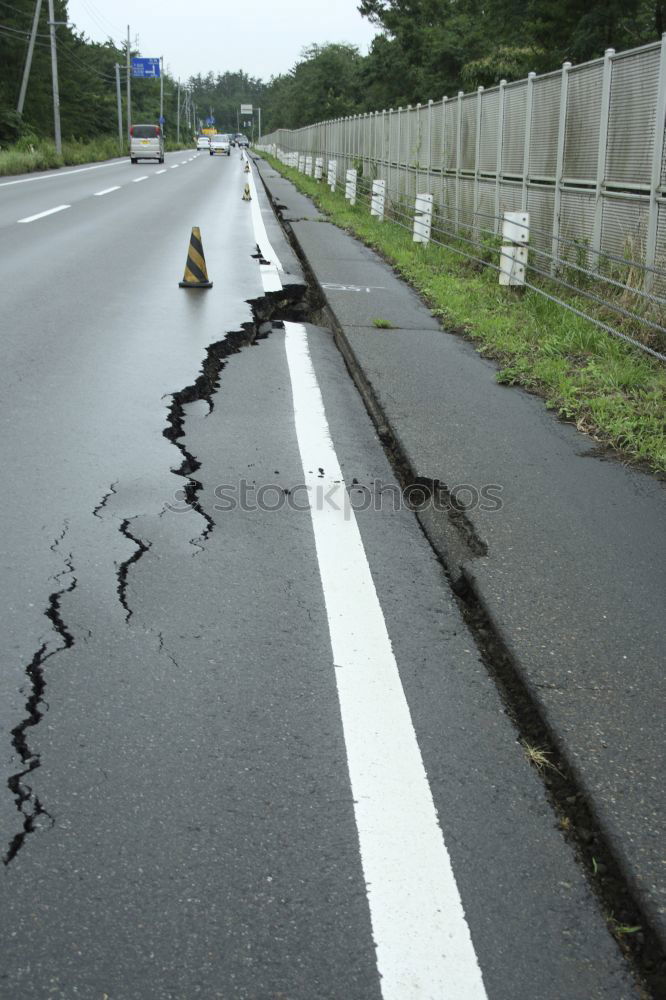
(605, 387)
(28, 155)
(382, 324)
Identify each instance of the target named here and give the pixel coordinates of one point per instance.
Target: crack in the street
(28, 802)
(290, 303)
(105, 499)
(123, 569)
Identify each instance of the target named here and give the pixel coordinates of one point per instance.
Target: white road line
(163, 171)
(263, 242)
(183, 162)
(40, 215)
(137, 179)
(98, 194)
(174, 165)
(423, 943)
(64, 173)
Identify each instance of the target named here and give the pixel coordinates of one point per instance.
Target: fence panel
(592, 173)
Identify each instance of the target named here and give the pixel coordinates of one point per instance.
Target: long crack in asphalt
(27, 801)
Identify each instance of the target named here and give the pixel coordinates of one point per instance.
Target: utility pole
(120, 108)
(28, 61)
(129, 97)
(178, 114)
(161, 92)
(54, 75)
(259, 110)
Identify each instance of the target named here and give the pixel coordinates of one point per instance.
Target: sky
(262, 37)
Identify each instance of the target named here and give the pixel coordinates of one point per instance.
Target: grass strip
(608, 389)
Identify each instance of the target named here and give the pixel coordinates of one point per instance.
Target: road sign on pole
(246, 109)
(146, 68)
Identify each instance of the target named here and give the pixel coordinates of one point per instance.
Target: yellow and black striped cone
(196, 275)
(246, 193)
(247, 167)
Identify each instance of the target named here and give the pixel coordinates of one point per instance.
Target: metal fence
(581, 149)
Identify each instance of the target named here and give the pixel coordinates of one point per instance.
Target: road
(249, 749)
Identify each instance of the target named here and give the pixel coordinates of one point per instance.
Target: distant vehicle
(220, 144)
(146, 143)
(203, 141)
(242, 140)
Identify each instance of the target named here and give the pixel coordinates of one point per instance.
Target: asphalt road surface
(249, 750)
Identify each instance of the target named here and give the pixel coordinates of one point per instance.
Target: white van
(146, 143)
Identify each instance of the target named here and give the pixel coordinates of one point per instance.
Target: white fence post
(513, 256)
(422, 218)
(319, 168)
(655, 179)
(308, 166)
(500, 144)
(477, 161)
(378, 201)
(332, 174)
(559, 169)
(350, 186)
(601, 152)
(528, 137)
(458, 157)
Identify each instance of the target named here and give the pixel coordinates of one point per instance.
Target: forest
(423, 49)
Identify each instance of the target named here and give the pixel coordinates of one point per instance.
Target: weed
(538, 757)
(382, 324)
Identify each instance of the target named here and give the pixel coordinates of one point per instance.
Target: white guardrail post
(513, 256)
(350, 187)
(378, 199)
(332, 174)
(308, 166)
(422, 218)
(319, 168)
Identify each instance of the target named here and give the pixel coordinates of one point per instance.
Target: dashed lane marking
(41, 215)
(98, 194)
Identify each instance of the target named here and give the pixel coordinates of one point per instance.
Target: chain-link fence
(581, 149)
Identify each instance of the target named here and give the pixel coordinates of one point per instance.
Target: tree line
(424, 49)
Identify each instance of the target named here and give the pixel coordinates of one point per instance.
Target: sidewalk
(574, 572)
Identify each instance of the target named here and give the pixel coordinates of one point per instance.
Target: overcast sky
(262, 37)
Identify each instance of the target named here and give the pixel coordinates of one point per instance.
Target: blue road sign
(146, 68)
(210, 120)
(162, 119)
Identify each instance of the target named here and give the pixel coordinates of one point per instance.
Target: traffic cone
(246, 193)
(196, 275)
(247, 167)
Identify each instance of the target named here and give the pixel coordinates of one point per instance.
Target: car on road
(242, 141)
(220, 144)
(203, 142)
(146, 143)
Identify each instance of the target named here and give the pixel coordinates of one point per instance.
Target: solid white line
(40, 215)
(163, 171)
(263, 242)
(423, 943)
(137, 179)
(64, 173)
(98, 194)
